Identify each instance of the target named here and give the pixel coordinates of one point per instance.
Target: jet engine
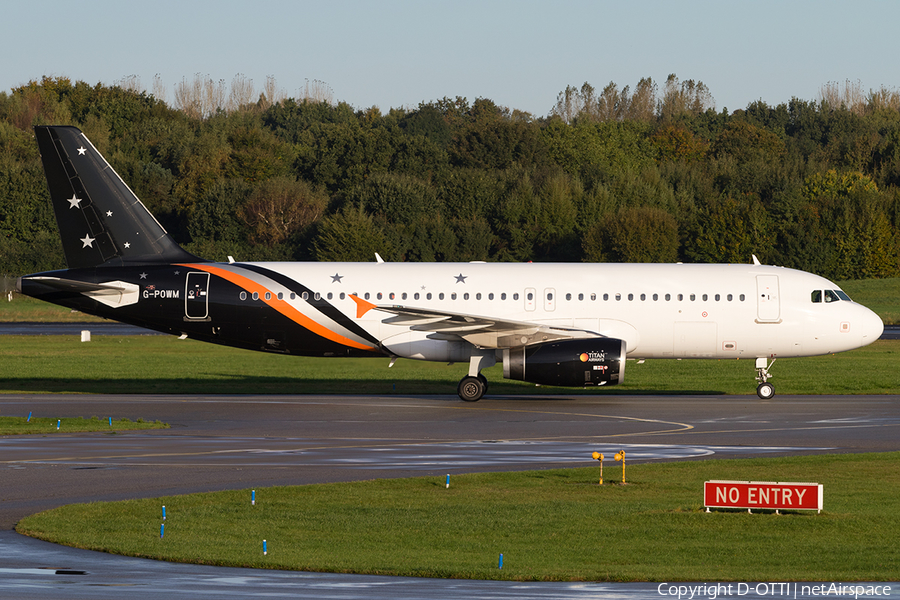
(571, 363)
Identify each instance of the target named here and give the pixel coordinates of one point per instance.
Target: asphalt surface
(234, 442)
(227, 442)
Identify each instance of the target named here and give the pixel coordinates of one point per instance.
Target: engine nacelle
(571, 363)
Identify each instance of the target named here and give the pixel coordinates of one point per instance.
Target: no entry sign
(763, 494)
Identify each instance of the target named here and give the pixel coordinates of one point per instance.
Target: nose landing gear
(764, 390)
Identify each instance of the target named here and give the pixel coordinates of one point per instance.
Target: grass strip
(167, 365)
(549, 525)
(43, 425)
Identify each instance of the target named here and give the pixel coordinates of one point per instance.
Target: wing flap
(481, 331)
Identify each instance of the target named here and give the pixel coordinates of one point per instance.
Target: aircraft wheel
(471, 389)
(765, 390)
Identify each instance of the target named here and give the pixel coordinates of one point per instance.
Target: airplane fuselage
(660, 311)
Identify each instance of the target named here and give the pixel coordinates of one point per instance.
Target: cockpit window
(829, 296)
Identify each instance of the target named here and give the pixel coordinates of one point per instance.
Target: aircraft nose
(871, 326)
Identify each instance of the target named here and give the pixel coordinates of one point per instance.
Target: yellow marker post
(598, 456)
(620, 455)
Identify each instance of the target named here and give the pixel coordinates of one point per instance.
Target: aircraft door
(196, 296)
(768, 305)
(549, 299)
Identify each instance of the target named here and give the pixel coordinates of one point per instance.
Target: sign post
(763, 494)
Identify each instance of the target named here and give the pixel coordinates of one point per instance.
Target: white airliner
(551, 324)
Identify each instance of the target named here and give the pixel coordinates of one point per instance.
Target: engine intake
(570, 363)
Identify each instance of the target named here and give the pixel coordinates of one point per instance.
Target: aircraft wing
(481, 331)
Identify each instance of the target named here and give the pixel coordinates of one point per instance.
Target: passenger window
(630, 297)
(693, 297)
(618, 297)
(416, 296)
(816, 296)
(478, 296)
(503, 295)
(568, 296)
(593, 297)
(655, 297)
(441, 296)
(342, 295)
(318, 296)
(428, 296)
(680, 297)
(668, 297)
(581, 296)
(605, 297)
(705, 297)
(643, 296)
(742, 297)
(516, 296)
(281, 295)
(530, 296)
(256, 295)
(243, 295)
(491, 296)
(729, 297)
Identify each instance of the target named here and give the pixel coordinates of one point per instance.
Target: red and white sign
(763, 494)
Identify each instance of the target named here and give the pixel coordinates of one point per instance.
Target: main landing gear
(474, 385)
(471, 389)
(764, 390)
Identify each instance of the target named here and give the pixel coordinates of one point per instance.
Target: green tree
(280, 208)
(351, 235)
(635, 234)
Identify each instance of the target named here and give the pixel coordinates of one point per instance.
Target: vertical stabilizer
(100, 219)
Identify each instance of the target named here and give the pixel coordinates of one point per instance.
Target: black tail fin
(100, 219)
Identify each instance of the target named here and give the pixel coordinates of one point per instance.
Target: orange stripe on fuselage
(280, 305)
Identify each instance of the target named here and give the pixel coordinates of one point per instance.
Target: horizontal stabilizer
(111, 293)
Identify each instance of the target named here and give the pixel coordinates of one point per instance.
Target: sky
(519, 53)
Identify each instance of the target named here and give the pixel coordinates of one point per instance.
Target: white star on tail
(88, 241)
(74, 201)
(81, 151)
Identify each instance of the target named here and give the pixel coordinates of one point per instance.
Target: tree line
(618, 175)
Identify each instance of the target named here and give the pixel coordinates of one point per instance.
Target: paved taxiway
(227, 442)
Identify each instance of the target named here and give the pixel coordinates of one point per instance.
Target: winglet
(362, 306)
(756, 260)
